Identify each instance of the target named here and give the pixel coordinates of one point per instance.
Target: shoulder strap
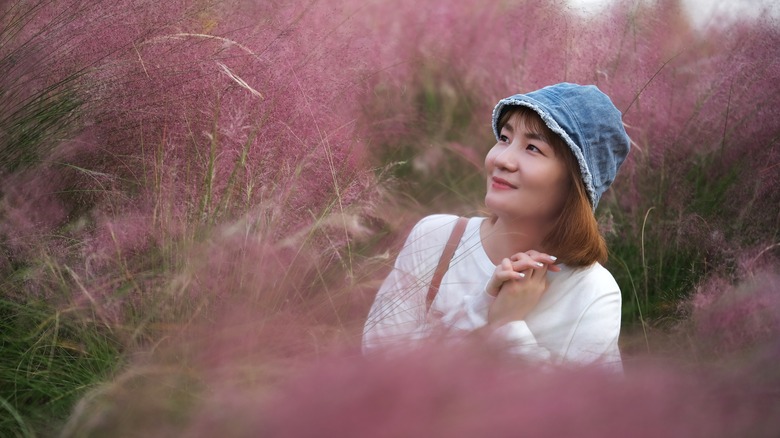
(444, 261)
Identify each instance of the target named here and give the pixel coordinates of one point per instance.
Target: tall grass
(199, 199)
(50, 359)
(192, 152)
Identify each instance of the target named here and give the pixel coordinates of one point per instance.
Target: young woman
(530, 273)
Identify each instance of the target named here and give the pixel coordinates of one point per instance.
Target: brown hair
(575, 238)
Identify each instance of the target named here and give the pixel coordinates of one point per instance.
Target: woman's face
(526, 179)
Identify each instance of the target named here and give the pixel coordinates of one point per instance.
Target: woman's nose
(506, 159)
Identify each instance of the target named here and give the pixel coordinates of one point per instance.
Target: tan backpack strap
(444, 261)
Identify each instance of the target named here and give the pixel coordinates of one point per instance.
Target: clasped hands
(518, 284)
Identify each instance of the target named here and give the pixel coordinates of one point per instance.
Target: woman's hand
(518, 283)
(505, 271)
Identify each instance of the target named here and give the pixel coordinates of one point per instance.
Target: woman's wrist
(499, 319)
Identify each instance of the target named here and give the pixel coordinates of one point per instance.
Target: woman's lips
(500, 183)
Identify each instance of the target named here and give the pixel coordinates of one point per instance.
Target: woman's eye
(533, 148)
(503, 138)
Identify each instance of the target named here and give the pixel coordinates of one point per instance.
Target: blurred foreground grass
(671, 223)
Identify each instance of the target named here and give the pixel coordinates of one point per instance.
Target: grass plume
(198, 200)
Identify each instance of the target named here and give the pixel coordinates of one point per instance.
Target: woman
(531, 272)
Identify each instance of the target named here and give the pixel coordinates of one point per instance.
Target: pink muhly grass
(190, 123)
(434, 392)
(221, 190)
(226, 122)
(30, 210)
(669, 78)
(431, 391)
(278, 376)
(729, 319)
(691, 114)
(249, 319)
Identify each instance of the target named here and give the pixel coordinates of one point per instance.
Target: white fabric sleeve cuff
(521, 341)
(474, 313)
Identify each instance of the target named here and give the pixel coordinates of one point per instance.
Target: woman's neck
(502, 239)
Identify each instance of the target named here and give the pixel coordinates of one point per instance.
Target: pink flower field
(199, 200)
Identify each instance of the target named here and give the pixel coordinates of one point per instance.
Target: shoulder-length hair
(575, 238)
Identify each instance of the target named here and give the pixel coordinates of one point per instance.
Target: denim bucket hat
(588, 122)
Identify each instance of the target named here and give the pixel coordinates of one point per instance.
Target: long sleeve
(583, 330)
(595, 336)
(577, 321)
(516, 335)
(398, 314)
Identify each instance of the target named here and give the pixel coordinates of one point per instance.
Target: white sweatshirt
(577, 319)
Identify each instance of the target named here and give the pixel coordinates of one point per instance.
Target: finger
(505, 272)
(521, 259)
(525, 262)
(507, 264)
(535, 274)
(540, 257)
(506, 275)
(541, 271)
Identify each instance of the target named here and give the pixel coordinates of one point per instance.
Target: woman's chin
(496, 206)
(511, 213)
